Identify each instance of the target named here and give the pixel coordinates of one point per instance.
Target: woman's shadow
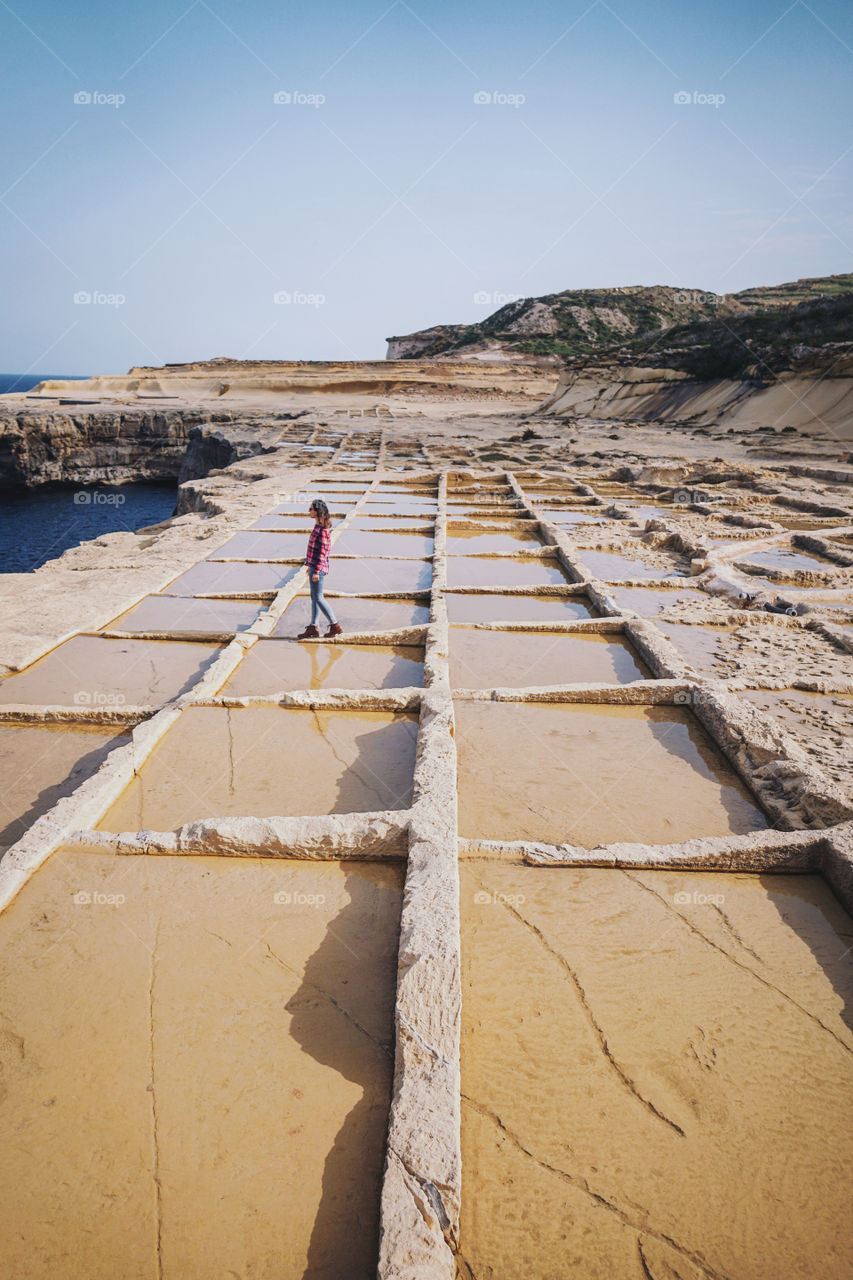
(342, 1015)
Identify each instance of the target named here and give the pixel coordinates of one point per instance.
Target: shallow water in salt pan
(491, 607)
(378, 575)
(370, 542)
(593, 774)
(462, 541)
(612, 567)
(481, 659)
(396, 504)
(187, 615)
(788, 558)
(357, 614)
(483, 509)
(282, 520)
(807, 523)
(206, 1057)
(41, 764)
(276, 761)
(568, 516)
(91, 671)
(503, 571)
(264, 546)
(273, 665)
(228, 577)
(375, 524)
(630, 1043)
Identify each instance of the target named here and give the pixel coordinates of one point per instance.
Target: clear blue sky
(398, 199)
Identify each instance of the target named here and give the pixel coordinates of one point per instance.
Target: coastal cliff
(109, 446)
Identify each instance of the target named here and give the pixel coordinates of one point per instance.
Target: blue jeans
(317, 599)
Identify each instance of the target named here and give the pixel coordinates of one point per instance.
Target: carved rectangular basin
(594, 774)
(202, 1048)
(486, 607)
(570, 516)
(503, 571)
(495, 519)
(250, 545)
(378, 575)
(213, 577)
(273, 665)
(187, 616)
(789, 559)
(41, 764)
(630, 1042)
(700, 647)
(335, 493)
(299, 506)
(270, 761)
(300, 523)
(411, 491)
(388, 524)
(364, 613)
(496, 507)
(462, 541)
(282, 520)
(400, 504)
(370, 542)
(613, 567)
(91, 671)
(650, 601)
(481, 659)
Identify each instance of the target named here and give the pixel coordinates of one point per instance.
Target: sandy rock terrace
(506, 934)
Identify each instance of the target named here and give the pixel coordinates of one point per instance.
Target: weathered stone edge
(422, 1181)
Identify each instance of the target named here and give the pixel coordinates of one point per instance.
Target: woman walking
(317, 561)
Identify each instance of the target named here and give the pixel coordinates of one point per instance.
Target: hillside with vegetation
(703, 329)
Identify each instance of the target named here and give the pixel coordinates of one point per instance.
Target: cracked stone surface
(629, 1042)
(203, 1049)
(90, 671)
(41, 763)
(276, 761)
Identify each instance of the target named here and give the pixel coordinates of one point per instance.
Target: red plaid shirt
(319, 542)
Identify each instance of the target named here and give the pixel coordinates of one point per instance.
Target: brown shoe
(310, 633)
(334, 630)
